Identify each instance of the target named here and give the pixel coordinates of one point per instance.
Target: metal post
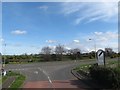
(94, 47)
(4, 54)
(1, 61)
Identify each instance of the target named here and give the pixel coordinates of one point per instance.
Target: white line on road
(23, 69)
(36, 72)
(19, 69)
(47, 77)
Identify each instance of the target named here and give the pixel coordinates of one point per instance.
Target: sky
(29, 26)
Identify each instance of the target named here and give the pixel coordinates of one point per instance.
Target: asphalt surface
(48, 73)
(46, 70)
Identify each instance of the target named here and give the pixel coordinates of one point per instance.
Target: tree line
(59, 53)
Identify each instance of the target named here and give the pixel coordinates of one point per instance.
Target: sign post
(101, 57)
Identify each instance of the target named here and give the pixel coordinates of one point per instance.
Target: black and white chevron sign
(101, 57)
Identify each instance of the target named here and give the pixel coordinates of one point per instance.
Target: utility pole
(4, 55)
(94, 47)
(1, 64)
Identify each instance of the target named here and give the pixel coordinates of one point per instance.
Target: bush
(53, 56)
(6, 62)
(108, 77)
(59, 57)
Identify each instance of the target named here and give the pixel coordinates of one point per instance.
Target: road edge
(87, 81)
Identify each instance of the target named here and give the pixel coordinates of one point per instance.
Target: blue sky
(27, 27)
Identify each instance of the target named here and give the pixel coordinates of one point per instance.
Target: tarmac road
(60, 70)
(49, 74)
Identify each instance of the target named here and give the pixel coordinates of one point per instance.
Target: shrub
(53, 56)
(109, 77)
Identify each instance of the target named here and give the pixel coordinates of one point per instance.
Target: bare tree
(75, 53)
(46, 51)
(59, 50)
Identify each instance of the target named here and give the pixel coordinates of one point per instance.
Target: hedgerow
(106, 76)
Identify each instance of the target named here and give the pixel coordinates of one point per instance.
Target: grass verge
(18, 81)
(4, 78)
(84, 67)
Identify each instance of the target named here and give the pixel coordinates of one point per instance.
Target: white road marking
(11, 83)
(16, 69)
(49, 80)
(23, 69)
(47, 77)
(36, 72)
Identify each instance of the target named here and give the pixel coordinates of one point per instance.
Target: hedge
(106, 76)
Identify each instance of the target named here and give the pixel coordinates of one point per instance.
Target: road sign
(101, 57)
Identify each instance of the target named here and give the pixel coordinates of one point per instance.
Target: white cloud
(51, 41)
(1, 40)
(21, 48)
(43, 7)
(68, 48)
(76, 41)
(101, 39)
(104, 39)
(98, 33)
(52, 47)
(91, 11)
(106, 36)
(18, 32)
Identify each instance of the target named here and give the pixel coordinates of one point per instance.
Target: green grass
(112, 62)
(11, 73)
(0, 80)
(4, 78)
(84, 67)
(18, 81)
